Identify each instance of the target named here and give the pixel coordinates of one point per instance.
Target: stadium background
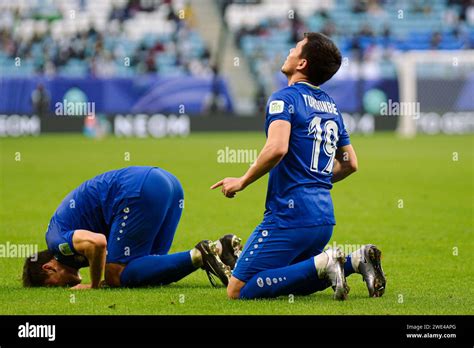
(173, 82)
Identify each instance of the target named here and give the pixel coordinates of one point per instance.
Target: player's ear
(48, 267)
(302, 64)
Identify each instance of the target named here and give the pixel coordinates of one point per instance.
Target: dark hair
(323, 56)
(33, 273)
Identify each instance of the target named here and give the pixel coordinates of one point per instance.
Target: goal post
(452, 66)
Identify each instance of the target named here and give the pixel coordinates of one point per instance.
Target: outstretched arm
(345, 163)
(94, 247)
(274, 150)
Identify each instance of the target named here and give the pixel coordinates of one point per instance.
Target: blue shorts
(146, 225)
(270, 248)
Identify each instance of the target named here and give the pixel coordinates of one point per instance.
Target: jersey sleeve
(280, 106)
(344, 138)
(61, 245)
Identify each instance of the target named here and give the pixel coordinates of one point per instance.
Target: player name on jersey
(320, 105)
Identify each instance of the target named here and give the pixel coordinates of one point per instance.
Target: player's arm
(272, 153)
(94, 247)
(345, 163)
(274, 150)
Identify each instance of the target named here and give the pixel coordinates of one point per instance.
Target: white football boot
(367, 261)
(330, 266)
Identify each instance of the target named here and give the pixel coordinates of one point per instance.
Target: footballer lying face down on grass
(307, 150)
(121, 225)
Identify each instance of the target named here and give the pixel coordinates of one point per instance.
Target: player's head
(315, 57)
(42, 269)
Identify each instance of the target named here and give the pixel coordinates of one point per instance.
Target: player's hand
(230, 186)
(81, 287)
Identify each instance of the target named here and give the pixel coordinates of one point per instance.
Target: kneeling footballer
(121, 225)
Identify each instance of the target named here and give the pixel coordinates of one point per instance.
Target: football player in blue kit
(121, 225)
(307, 150)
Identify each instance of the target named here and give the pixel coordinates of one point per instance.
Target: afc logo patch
(276, 107)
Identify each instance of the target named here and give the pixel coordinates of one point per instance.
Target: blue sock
(157, 269)
(295, 279)
(348, 269)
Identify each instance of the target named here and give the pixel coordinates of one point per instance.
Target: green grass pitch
(427, 244)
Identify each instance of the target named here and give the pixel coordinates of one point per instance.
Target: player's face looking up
(294, 62)
(315, 59)
(60, 275)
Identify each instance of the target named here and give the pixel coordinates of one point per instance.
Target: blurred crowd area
(369, 33)
(123, 38)
(102, 38)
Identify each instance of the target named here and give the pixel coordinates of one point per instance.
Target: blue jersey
(298, 187)
(92, 206)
